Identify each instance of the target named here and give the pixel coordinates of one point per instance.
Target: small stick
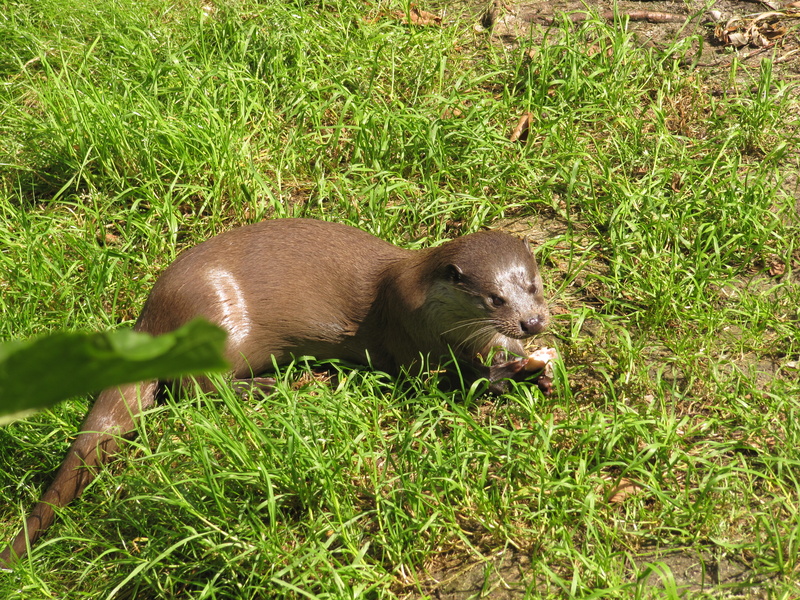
(649, 16)
(787, 56)
(636, 15)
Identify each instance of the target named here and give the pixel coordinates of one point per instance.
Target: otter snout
(533, 325)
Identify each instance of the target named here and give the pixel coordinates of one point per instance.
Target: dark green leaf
(38, 373)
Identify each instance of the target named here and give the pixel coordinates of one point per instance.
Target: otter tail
(111, 418)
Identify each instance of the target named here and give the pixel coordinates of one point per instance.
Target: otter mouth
(514, 334)
(517, 335)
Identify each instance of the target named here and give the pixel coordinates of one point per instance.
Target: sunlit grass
(131, 131)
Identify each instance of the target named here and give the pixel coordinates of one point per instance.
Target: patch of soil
(507, 576)
(504, 577)
(752, 31)
(698, 571)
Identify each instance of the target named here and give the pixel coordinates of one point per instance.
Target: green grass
(130, 131)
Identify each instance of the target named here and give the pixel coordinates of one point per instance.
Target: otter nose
(532, 325)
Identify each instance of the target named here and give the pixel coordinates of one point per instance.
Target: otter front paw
(512, 369)
(537, 367)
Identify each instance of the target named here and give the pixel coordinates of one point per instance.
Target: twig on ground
(787, 56)
(636, 15)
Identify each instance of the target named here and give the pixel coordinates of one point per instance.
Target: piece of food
(542, 360)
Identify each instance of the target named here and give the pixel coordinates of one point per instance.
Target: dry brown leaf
(452, 113)
(520, 133)
(623, 489)
(677, 182)
(759, 31)
(776, 265)
(415, 16)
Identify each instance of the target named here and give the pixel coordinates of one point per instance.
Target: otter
(287, 288)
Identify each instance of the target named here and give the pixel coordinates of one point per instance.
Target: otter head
(489, 285)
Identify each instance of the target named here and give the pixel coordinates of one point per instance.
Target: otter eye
(533, 289)
(496, 300)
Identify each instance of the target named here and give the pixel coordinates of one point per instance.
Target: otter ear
(454, 274)
(527, 241)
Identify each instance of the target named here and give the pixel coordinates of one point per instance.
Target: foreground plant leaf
(37, 373)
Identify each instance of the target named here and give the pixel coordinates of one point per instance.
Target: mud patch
(699, 571)
(508, 576)
(504, 577)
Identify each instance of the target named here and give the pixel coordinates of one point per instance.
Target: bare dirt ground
(504, 577)
(751, 30)
(715, 34)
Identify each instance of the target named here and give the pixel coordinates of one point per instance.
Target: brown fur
(297, 287)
